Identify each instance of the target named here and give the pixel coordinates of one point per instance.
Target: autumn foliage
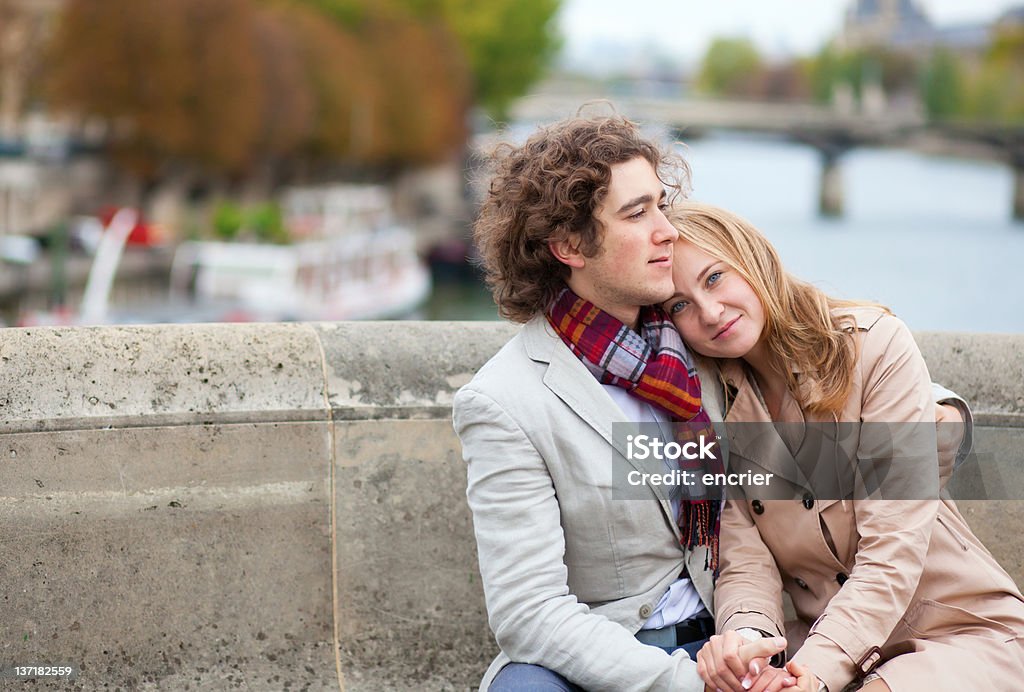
(233, 86)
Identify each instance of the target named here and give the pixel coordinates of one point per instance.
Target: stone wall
(221, 506)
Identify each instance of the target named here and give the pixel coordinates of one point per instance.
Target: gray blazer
(569, 573)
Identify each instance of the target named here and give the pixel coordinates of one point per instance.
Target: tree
(422, 112)
(235, 87)
(1001, 81)
(896, 72)
(23, 24)
(730, 68)
(176, 81)
(785, 82)
(826, 70)
(508, 45)
(942, 86)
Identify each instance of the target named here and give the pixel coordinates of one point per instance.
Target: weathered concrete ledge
(216, 506)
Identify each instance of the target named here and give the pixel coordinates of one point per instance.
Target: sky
(680, 30)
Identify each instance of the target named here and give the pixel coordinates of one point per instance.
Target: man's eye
(637, 214)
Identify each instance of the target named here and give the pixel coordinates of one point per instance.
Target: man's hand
(805, 680)
(727, 658)
(950, 430)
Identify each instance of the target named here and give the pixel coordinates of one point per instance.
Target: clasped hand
(730, 663)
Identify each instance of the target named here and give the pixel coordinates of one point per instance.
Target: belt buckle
(689, 631)
(868, 662)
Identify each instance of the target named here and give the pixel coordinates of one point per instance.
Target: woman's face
(714, 308)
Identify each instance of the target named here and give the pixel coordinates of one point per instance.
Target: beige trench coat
(906, 576)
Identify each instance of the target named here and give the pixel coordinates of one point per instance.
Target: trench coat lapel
(753, 436)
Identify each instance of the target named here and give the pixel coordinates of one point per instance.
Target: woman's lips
(726, 328)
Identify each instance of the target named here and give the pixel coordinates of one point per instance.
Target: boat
(349, 261)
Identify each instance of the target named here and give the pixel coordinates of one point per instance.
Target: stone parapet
(221, 506)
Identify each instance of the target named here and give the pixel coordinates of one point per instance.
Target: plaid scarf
(655, 367)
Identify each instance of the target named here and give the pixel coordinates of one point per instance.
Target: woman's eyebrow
(706, 269)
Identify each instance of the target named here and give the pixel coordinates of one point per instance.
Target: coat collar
(568, 378)
(752, 434)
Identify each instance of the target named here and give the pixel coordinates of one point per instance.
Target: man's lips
(666, 258)
(726, 328)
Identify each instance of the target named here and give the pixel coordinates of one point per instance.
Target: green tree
(826, 70)
(729, 68)
(942, 86)
(1000, 87)
(508, 45)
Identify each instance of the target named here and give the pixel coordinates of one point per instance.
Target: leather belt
(687, 631)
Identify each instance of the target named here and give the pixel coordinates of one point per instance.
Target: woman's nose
(710, 311)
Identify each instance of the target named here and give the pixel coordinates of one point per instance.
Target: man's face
(633, 266)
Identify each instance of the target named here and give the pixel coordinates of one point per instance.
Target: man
(569, 573)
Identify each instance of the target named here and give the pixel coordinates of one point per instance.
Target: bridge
(829, 131)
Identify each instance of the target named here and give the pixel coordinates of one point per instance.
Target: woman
(892, 595)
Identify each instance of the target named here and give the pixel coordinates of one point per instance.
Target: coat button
(757, 507)
(808, 501)
(645, 611)
(841, 578)
(801, 583)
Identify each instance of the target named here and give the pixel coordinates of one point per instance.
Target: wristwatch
(752, 635)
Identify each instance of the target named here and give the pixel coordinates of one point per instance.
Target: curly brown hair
(548, 190)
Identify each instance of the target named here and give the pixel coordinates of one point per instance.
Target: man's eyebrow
(642, 199)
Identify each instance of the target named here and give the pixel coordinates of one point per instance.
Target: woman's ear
(567, 252)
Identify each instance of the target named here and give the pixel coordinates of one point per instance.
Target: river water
(931, 237)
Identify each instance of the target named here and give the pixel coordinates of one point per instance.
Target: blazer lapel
(568, 378)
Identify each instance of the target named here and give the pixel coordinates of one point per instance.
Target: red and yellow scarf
(656, 367)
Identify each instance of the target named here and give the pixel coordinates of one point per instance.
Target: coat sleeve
(749, 588)
(893, 533)
(521, 549)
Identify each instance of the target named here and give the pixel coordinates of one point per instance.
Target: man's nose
(664, 231)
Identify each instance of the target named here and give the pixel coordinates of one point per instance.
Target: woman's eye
(714, 277)
(677, 307)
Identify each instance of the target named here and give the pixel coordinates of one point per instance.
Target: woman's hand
(728, 658)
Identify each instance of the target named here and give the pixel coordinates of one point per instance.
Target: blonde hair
(804, 327)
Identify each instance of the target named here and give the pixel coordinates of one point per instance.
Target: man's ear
(568, 252)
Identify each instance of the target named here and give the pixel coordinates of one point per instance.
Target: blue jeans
(523, 677)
